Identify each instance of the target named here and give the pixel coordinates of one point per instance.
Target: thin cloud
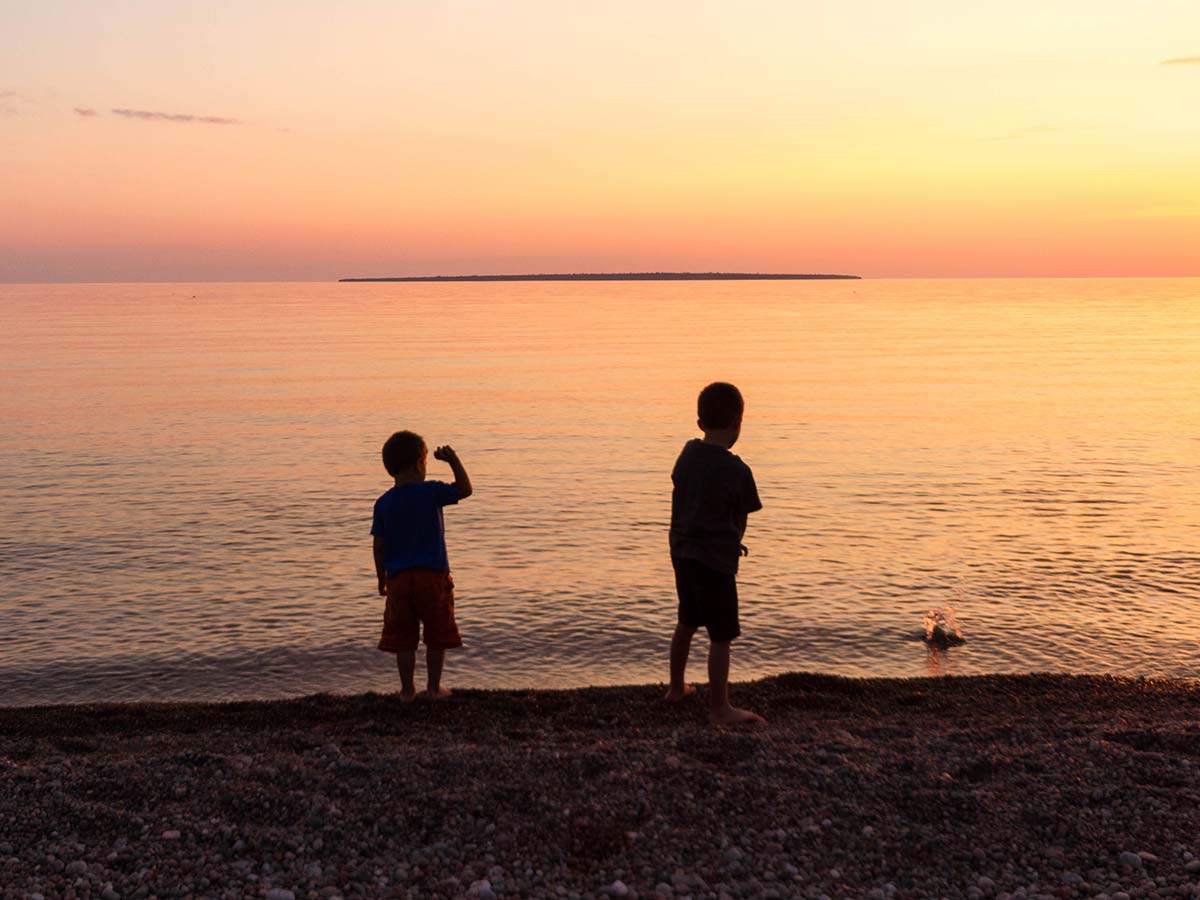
(11, 101)
(85, 111)
(155, 116)
(1182, 61)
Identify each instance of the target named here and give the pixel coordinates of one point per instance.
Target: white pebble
(618, 889)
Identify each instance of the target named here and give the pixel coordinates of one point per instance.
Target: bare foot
(408, 696)
(731, 715)
(674, 696)
(440, 693)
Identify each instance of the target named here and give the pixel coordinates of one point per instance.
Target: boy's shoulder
(413, 489)
(403, 499)
(712, 456)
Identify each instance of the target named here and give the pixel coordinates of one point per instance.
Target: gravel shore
(998, 786)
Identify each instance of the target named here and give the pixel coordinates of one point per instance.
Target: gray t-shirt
(714, 492)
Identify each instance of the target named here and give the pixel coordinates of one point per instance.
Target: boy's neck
(721, 437)
(410, 477)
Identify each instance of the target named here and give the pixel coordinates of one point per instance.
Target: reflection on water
(187, 473)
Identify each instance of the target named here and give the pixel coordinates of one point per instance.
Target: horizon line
(1061, 277)
(612, 276)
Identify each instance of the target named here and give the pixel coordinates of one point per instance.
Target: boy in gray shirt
(714, 493)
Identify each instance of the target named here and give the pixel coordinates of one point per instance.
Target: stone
(280, 894)
(171, 835)
(1129, 860)
(76, 869)
(618, 889)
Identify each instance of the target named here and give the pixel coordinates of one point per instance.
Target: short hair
(401, 450)
(720, 405)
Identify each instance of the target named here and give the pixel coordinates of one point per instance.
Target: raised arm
(447, 455)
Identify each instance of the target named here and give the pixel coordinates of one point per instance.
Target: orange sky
(303, 140)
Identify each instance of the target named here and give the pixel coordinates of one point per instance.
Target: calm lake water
(187, 474)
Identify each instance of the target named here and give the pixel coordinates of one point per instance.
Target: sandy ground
(957, 787)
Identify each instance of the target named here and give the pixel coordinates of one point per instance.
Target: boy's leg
(681, 645)
(435, 657)
(720, 710)
(406, 663)
(441, 631)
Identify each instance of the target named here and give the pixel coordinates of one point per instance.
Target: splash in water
(941, 628)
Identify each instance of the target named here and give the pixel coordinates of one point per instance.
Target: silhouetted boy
(411, 562)
(714, 493)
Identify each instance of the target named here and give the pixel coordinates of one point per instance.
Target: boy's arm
(750, 503)
(380, 572)
(461, 479)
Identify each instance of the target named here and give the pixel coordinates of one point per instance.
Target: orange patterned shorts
(417, 597)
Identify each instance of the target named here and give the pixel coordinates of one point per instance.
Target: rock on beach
(1000, 786)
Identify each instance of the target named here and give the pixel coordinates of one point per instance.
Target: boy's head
(404, 451)
(720, 408)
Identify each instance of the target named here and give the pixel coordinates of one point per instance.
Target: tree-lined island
(621, 276)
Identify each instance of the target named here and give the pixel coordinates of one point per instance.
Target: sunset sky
(294, 140)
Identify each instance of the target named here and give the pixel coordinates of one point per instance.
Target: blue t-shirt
(409, 520)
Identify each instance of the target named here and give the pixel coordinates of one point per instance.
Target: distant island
(619, 276)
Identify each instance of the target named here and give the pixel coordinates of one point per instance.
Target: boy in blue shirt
(713, 493)
(411, 562)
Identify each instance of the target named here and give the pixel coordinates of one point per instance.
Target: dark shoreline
(1026, 786)
(621, 276)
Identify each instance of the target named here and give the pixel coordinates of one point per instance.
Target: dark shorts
(707, 599)
(416, 598)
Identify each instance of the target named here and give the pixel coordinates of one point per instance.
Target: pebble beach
(960, 787)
